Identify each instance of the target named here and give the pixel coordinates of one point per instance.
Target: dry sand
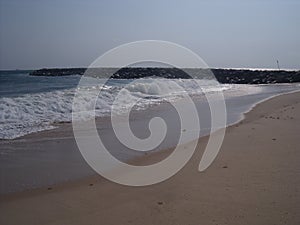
(255, 179)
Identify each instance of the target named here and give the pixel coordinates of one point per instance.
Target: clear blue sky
(72, 33)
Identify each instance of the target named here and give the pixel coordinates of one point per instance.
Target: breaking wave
(29, 113)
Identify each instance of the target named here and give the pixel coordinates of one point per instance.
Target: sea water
(34, 103)
(31, 104)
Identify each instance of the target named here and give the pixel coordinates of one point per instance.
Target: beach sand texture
(255, 179)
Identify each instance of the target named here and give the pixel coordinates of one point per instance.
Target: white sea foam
(35, 112)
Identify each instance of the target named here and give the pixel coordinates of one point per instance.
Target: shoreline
(244, 114)
(255, 179)
(59, 124)
(14, 133)
(47, 135)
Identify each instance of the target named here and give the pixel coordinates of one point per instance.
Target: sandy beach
(254, 180)
(149, 112)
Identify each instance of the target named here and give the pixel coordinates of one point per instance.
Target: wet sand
(254, 180)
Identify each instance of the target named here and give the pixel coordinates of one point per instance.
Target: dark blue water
(17, 83)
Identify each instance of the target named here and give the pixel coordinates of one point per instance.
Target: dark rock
(230, 76)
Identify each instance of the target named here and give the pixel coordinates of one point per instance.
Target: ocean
(30, 104)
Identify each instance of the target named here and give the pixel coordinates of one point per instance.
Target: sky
(224, 33)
